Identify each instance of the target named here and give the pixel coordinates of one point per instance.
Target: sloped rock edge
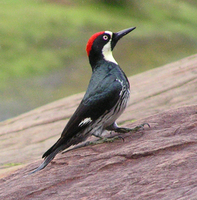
(157, 162)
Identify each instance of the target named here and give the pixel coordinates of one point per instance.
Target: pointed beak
(118, 35)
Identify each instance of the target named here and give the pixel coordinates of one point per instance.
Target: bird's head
(101, 45)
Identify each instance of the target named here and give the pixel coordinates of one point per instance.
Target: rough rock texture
(157, 162)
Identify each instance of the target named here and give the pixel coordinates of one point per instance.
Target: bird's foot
(105, 140)
(127, 130)
(109, 139)
(99, 141)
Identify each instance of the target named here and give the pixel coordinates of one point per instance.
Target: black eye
(105, 37)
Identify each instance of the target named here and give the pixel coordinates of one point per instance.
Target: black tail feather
(47, 160)
(52, 149)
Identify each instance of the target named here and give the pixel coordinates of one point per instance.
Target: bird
(105, 100)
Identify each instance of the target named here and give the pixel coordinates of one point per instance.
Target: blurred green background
(42, 44)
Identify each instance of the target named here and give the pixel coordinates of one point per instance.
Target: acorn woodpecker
(106, 97)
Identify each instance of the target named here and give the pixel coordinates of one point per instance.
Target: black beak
(120, 34)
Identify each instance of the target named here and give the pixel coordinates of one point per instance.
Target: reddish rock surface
(158, 162)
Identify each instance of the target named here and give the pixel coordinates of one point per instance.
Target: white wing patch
(85, 121)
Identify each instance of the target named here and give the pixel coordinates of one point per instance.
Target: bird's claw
(141, 126)
(127, 130)
(106, 140)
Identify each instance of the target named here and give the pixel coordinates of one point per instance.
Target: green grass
(7, 165)
(39, 38)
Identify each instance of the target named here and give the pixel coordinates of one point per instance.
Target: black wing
(102, 98)
(98, 100)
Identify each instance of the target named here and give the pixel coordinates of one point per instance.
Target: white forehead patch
(107, 52)
(109, 32)
(85, 121)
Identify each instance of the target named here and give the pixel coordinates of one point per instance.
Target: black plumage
(104, 101)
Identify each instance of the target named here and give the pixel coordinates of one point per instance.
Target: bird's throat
(108, 56)
(107, 53)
